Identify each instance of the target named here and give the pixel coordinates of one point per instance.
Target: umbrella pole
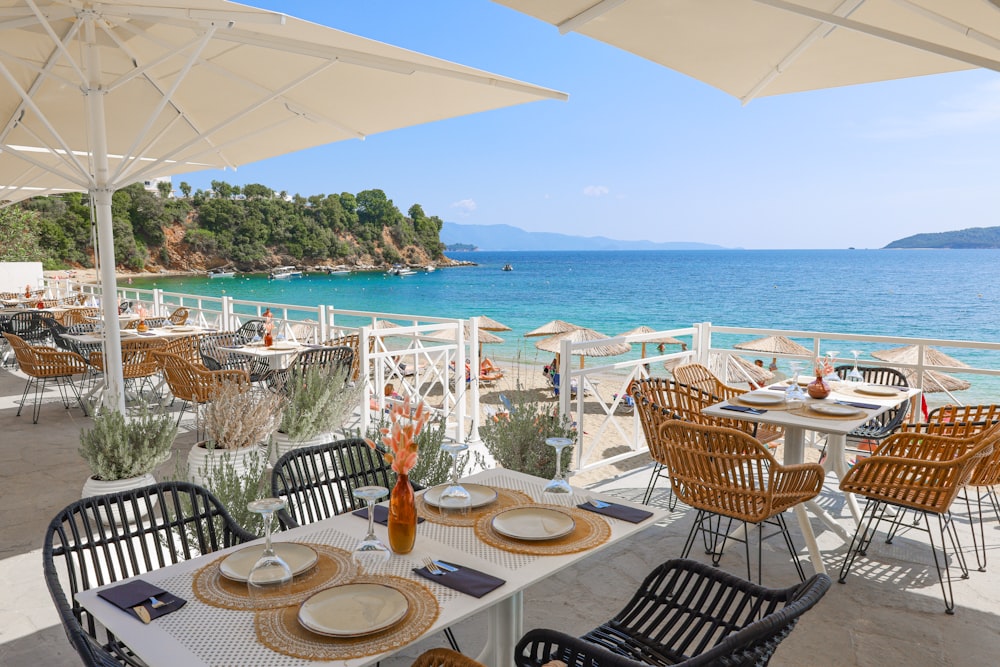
(100, 192)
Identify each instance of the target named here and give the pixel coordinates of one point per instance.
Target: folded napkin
(464, 579)
(615, 511)
(381, 514)
(743, 408)
(136, 593)
(863, 406)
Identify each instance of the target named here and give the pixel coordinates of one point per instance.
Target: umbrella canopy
(581, 335)
(489, 324)
(774, 345)
(737, 369)
(97, 95)
(484, 335)
(552, 328)
(662, 340)
(751, 48)
(908, 355)
(935, 381)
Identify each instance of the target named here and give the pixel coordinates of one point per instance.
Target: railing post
(158, 302)
(365, 378)
(702, 341)
(322, 331)
(226, 314)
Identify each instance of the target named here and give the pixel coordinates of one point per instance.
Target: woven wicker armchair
(444, 657)
(186, 347)
(79, 315)
(723, 472)
(886, 423)
(338, 359)
(701, 377)
(352, 341)
(138, 364)
(918, 472)
(217, 353)
(685, 614)
(87, 546)
(42, 364)
(179, 317)
(194, 384)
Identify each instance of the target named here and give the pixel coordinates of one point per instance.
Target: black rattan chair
(337, 359)
(218, 353)
(87, 546)
(872, 432)
(685, 614)
(250, 330)
(30, 326)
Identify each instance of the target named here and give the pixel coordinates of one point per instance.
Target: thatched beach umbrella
(662, 340)
(552, 328)
(489, 324)
(934, 381)
(485, 337)
(599, 349)
(735, 369)
(774, 345)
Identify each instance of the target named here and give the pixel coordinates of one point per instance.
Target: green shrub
(317, 400)
(517, 441)
(119, 448)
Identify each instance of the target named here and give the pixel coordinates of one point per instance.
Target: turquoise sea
(953, 294)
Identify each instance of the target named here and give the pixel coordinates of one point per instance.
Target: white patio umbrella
(97, 95)
(752, 48)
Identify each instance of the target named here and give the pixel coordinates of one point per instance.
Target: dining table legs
(506, 625)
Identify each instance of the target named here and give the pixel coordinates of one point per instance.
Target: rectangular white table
(795, 424)
(200, 634)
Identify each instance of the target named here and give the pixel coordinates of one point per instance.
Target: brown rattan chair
(138, 365)
(919, 472)
(186, 347)
(194, 384)
(352, 341)
(179, 317)
(444, 657)
(41, 364)
(79, 315)
(151, 322)
(726, 474)
(701, 377)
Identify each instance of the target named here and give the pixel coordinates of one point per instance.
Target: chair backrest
(124, 307)
(214, 354)
(893, 418)
(137, 359)
(193, 383)
(677, 400)
(187, 347)
(317, 481)
(352, 341)
(959, 421)
(100, 540)
(249, 330)
(179, 316)
(697, 375)
(338, 358)
(79, 315)
(444, 657)
(29, 325)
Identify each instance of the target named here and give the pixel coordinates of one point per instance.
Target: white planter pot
(202, 461)
(98, 487)
(283, 444)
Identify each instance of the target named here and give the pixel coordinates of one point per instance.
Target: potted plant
(318, 400)
(517, 442)
(236, 421)
(122, 451)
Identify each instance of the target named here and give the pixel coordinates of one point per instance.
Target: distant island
(974, 237)
(460, 247)
(507, 237)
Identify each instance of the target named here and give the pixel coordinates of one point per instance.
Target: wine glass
(370, 551)
(455, 495)
(795, 393)
(270, 575)
(855, 375)
(832, 376)
(558, 483)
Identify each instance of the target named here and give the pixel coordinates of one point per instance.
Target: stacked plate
(238, 564)
(353, 610)
(877, 390)
(834, 409)
(533, 524)
(761, 398)
(481, 495)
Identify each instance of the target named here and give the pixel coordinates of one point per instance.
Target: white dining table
(796, 422)
(199, 634)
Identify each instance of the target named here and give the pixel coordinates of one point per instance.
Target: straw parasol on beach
(737, 369)
(489, 324)
(662, 340)
(552, 328)
(934, 381)
(485, 337)
(580, 335)
(773, 345)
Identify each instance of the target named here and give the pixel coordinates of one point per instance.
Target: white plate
(126, 333)
(877, 390)
(185, 328)
(285, 346)
(834, 409)
(481, 495)
(533, 523)
(238, 564)
(761, 398)
(353, 610)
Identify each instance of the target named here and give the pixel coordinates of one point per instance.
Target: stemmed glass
(455, 495)
(855, 375)
(558, 483)
(370, 551)
(795, 393)
(270, 575)
(831, 355)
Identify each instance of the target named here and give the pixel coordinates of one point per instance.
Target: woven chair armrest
(540, 646)
(901, 479)
(796, 483)
(226, 375)
(923, 446)
(53, 356)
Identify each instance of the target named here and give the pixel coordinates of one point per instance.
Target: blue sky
(642, 152)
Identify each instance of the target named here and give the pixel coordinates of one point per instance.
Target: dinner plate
(238, 564)
(284, 346)
(353, 610)
(533, 523)
(834, 409)
(877, 390)
(761, 398)
(175, 328)
(481, 495)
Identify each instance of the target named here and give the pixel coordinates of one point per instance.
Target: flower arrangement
(400, 437)
(822, 367)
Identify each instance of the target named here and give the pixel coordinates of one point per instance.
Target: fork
(432, 567)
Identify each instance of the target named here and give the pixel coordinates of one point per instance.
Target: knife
(445, 566)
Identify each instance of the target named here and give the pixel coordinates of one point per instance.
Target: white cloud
(465, 206)
(971, 112)
(596, 190)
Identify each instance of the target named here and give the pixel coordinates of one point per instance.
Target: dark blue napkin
(465, 580)
(863, 406)
(137, 592)
(381, 514)
(743, 408)
(615, 511)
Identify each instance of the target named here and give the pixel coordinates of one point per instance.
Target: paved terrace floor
(890, 611)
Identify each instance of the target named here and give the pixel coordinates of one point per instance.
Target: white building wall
(15, 275)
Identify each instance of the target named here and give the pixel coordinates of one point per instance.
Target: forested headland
(250, 228)
(973, 237)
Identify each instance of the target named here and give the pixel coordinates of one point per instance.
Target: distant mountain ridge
(507, 237)
(973, 237)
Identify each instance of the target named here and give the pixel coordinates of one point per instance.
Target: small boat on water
(283, 272)
(221, 273)
(400, 270)
(338, 271)
(429, 268)
(508, 267)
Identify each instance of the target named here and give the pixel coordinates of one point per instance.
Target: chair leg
(37, 407)
(692, 534)
(860, 538)
(450, 636)
(24, 394)
(791, 546)
(945, 525)
(658, 471)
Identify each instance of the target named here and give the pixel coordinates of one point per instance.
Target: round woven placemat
(768, 406)
(280, 630)
(806, 412)
(848, 390)
(506, 498)
(333, 566)
(591, 530)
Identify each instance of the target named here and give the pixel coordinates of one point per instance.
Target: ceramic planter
(99, 487)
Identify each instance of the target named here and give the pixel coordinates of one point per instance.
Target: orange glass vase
(402, 516)
(268, 339)
(818, 388)
(141, 327)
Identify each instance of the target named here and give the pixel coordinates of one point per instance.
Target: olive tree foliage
(18, 237)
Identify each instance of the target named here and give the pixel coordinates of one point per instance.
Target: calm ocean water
(930, 293)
